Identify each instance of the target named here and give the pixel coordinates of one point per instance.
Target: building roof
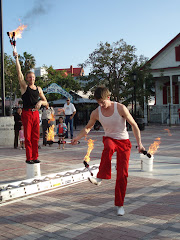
(74, 71)
(161, 52)
(165, 47)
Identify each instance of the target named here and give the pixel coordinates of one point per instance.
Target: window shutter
(176, 94)
(177, 51)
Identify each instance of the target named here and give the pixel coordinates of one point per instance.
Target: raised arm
(22, 82)
(124, 112)
(88, 127)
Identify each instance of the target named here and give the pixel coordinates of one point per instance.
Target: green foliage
(10, 77)
(109, 66)
(144, 84)
(112, 66)
(27, 62)
(67, 82)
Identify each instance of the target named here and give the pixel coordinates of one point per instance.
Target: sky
(64, 32)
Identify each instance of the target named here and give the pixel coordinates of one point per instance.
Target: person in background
(61, 131)
(45, 125)
(21, 138)
(30, 114)
(17, 126)
(113, 117)
(69, 112)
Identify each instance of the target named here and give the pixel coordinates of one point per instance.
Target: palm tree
(27, 62)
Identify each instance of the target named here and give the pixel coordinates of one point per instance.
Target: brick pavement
(86, 212)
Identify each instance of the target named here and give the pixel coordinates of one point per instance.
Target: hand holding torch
(145, 153)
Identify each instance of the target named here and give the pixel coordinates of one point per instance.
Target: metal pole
(2, 63)
(11, 99)
(169, 114)
(134, 99)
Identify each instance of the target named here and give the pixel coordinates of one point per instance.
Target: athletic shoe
(36, 161)
(120, 211)
(96, 181)
(30, 162)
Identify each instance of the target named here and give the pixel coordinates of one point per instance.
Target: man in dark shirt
(17, 126)
(33, 98)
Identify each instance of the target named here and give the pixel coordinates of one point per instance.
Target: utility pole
(2, 62)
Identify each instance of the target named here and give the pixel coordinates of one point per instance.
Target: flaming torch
(87, 158)
(13, 35)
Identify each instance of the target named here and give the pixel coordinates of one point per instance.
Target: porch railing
(165, 114)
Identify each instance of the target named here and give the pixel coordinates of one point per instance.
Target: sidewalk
(86, 212)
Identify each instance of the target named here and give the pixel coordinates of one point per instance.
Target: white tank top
(115, 125)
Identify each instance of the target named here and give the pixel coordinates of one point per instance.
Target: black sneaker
(30, 162)
(36, 161)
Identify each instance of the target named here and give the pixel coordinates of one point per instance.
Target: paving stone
(87, 212)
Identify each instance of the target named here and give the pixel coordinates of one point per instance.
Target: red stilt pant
(123, 149)
(30, 120)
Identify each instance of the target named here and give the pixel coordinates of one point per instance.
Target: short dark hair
(101, 93)
(28, 72)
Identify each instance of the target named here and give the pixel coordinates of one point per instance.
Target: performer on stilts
(113, 117)
(30, 114)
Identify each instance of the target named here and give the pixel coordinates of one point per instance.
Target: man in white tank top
(113, 117)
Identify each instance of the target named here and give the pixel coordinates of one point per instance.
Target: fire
(154, 147)
(90, 148)
(169, 133)
(52, 119)
(18, 31)
(50, 133)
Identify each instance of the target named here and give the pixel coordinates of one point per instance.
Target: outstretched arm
(22, 82)
(124, 112)
(86, 130)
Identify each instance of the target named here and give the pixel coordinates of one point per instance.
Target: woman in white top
(113, 117)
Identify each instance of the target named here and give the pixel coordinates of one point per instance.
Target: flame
(50, 133)
(52, 119)
(154, 147)
(18, 31)
(169, 133)
(90, 148)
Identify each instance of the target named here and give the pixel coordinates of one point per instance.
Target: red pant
(30, 122)
(123, 149)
